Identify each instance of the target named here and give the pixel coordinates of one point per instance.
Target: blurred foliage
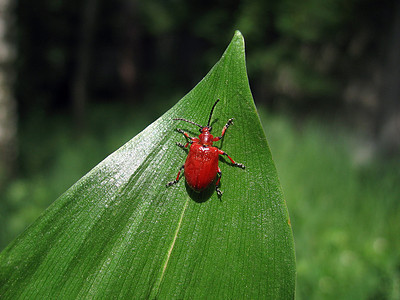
(300, 53)
(344, 216)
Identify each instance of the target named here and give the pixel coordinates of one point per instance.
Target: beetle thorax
(206, 138)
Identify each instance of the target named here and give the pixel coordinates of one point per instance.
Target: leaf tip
(238, 34)
(238, 39)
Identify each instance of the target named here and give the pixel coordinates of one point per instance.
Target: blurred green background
(80, 78)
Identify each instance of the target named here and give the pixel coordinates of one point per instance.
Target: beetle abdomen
(201, 166)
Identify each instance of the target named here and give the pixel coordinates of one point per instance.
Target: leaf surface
(120, 233)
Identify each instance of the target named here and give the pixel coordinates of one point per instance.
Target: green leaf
(120, 233)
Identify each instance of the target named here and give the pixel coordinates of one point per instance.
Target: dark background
(80, 78)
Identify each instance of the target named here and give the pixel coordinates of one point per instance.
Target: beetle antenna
(191, 122)
(212, 110)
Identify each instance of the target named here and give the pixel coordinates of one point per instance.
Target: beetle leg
(182, 145)
(229, 123)
(193, 139)
(219, 192)
(177, 177)
(230, 158)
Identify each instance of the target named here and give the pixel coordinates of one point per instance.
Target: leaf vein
(159, 280)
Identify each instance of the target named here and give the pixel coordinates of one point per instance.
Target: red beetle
(201, 165)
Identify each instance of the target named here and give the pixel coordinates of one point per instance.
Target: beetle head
(205, 129)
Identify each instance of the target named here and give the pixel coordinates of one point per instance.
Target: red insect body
(201, 165)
